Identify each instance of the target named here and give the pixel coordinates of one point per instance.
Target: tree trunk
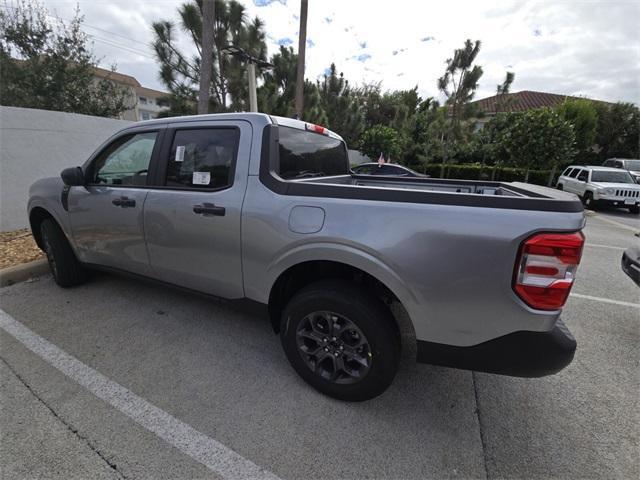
(553, 174)
(302, 43)
(208, 17)
(526, 176)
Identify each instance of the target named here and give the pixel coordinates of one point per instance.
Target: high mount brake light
(546, 269)
(316, 129)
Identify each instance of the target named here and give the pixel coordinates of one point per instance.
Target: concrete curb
(22, 272)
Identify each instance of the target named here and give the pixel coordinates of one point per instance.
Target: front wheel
(587, 200)
(64, 265)
(341, 340)
(635, 209)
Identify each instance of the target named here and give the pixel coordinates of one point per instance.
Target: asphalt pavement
(123, 379)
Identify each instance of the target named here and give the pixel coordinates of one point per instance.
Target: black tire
(67, 271)
(560, 187)
(635, 209)
(587, 200)
(355, 313)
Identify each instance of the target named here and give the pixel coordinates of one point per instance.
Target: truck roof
(248, 116)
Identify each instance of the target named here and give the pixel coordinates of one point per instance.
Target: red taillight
(546, 269)
(316, 128)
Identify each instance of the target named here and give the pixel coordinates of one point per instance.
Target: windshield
(306, 154)
(611, 177)
(632, 164)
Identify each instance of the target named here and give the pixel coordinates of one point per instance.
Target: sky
(581, 48)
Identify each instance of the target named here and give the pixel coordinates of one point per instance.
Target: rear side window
(363, 170)
(566, 172)
(574, 172)
(203, 158)
(125, 161)
(305, 154)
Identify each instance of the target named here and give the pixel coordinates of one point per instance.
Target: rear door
(106, 214)
(192, 214)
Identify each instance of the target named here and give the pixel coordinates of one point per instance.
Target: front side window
(611, 177)
(203, 158)
(125, 161)
(583, 175)
(306, 154)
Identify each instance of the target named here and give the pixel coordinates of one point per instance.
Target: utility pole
(208, 19)
(302, 44)
(253, 96)
(251, 62)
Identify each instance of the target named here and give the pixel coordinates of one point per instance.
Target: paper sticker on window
(180, 153)
(201, 178)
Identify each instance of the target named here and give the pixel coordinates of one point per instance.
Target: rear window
(305, 154)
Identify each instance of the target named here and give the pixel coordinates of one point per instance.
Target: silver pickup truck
(261, 208)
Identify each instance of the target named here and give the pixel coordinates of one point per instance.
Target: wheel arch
(36, 216)
(304, 272)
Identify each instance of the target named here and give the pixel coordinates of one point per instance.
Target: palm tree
(181, 73)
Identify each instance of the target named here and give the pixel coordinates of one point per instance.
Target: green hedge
(484, 172)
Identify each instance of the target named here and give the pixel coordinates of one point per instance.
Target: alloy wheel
(333, 347)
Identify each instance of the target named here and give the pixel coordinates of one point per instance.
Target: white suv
(601, 186)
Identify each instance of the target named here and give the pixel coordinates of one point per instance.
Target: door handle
(124, 202)
(209, 209)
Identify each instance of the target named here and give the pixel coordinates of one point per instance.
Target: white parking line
(214, 455)
(599, 245)
(606, 300)
(617, 224)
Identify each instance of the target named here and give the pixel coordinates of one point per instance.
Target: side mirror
(73, 176)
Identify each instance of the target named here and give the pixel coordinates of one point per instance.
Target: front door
(192, 216)
(107, 215)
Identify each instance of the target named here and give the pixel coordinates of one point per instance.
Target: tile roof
(116, 77)
(524, 100)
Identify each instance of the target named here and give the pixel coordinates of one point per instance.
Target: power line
(103, 40)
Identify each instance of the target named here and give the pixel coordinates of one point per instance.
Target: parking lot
(122, 379)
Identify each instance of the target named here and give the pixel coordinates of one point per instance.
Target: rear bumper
(519, 354)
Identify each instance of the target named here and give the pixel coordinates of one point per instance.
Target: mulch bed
(18, 247)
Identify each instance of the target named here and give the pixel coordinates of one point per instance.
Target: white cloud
(586, 48)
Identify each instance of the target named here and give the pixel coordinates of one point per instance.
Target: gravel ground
(18, 246)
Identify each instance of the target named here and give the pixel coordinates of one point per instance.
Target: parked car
(631, 263)
(632, 165)
(261, 208)
(601, 186)
(371, 168)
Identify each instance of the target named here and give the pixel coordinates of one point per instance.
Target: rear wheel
(560, 187)
(65, 268)
(341, 340)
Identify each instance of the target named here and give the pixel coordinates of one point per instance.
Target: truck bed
(516, 195)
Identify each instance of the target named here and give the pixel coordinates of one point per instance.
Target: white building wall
(40, 143)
